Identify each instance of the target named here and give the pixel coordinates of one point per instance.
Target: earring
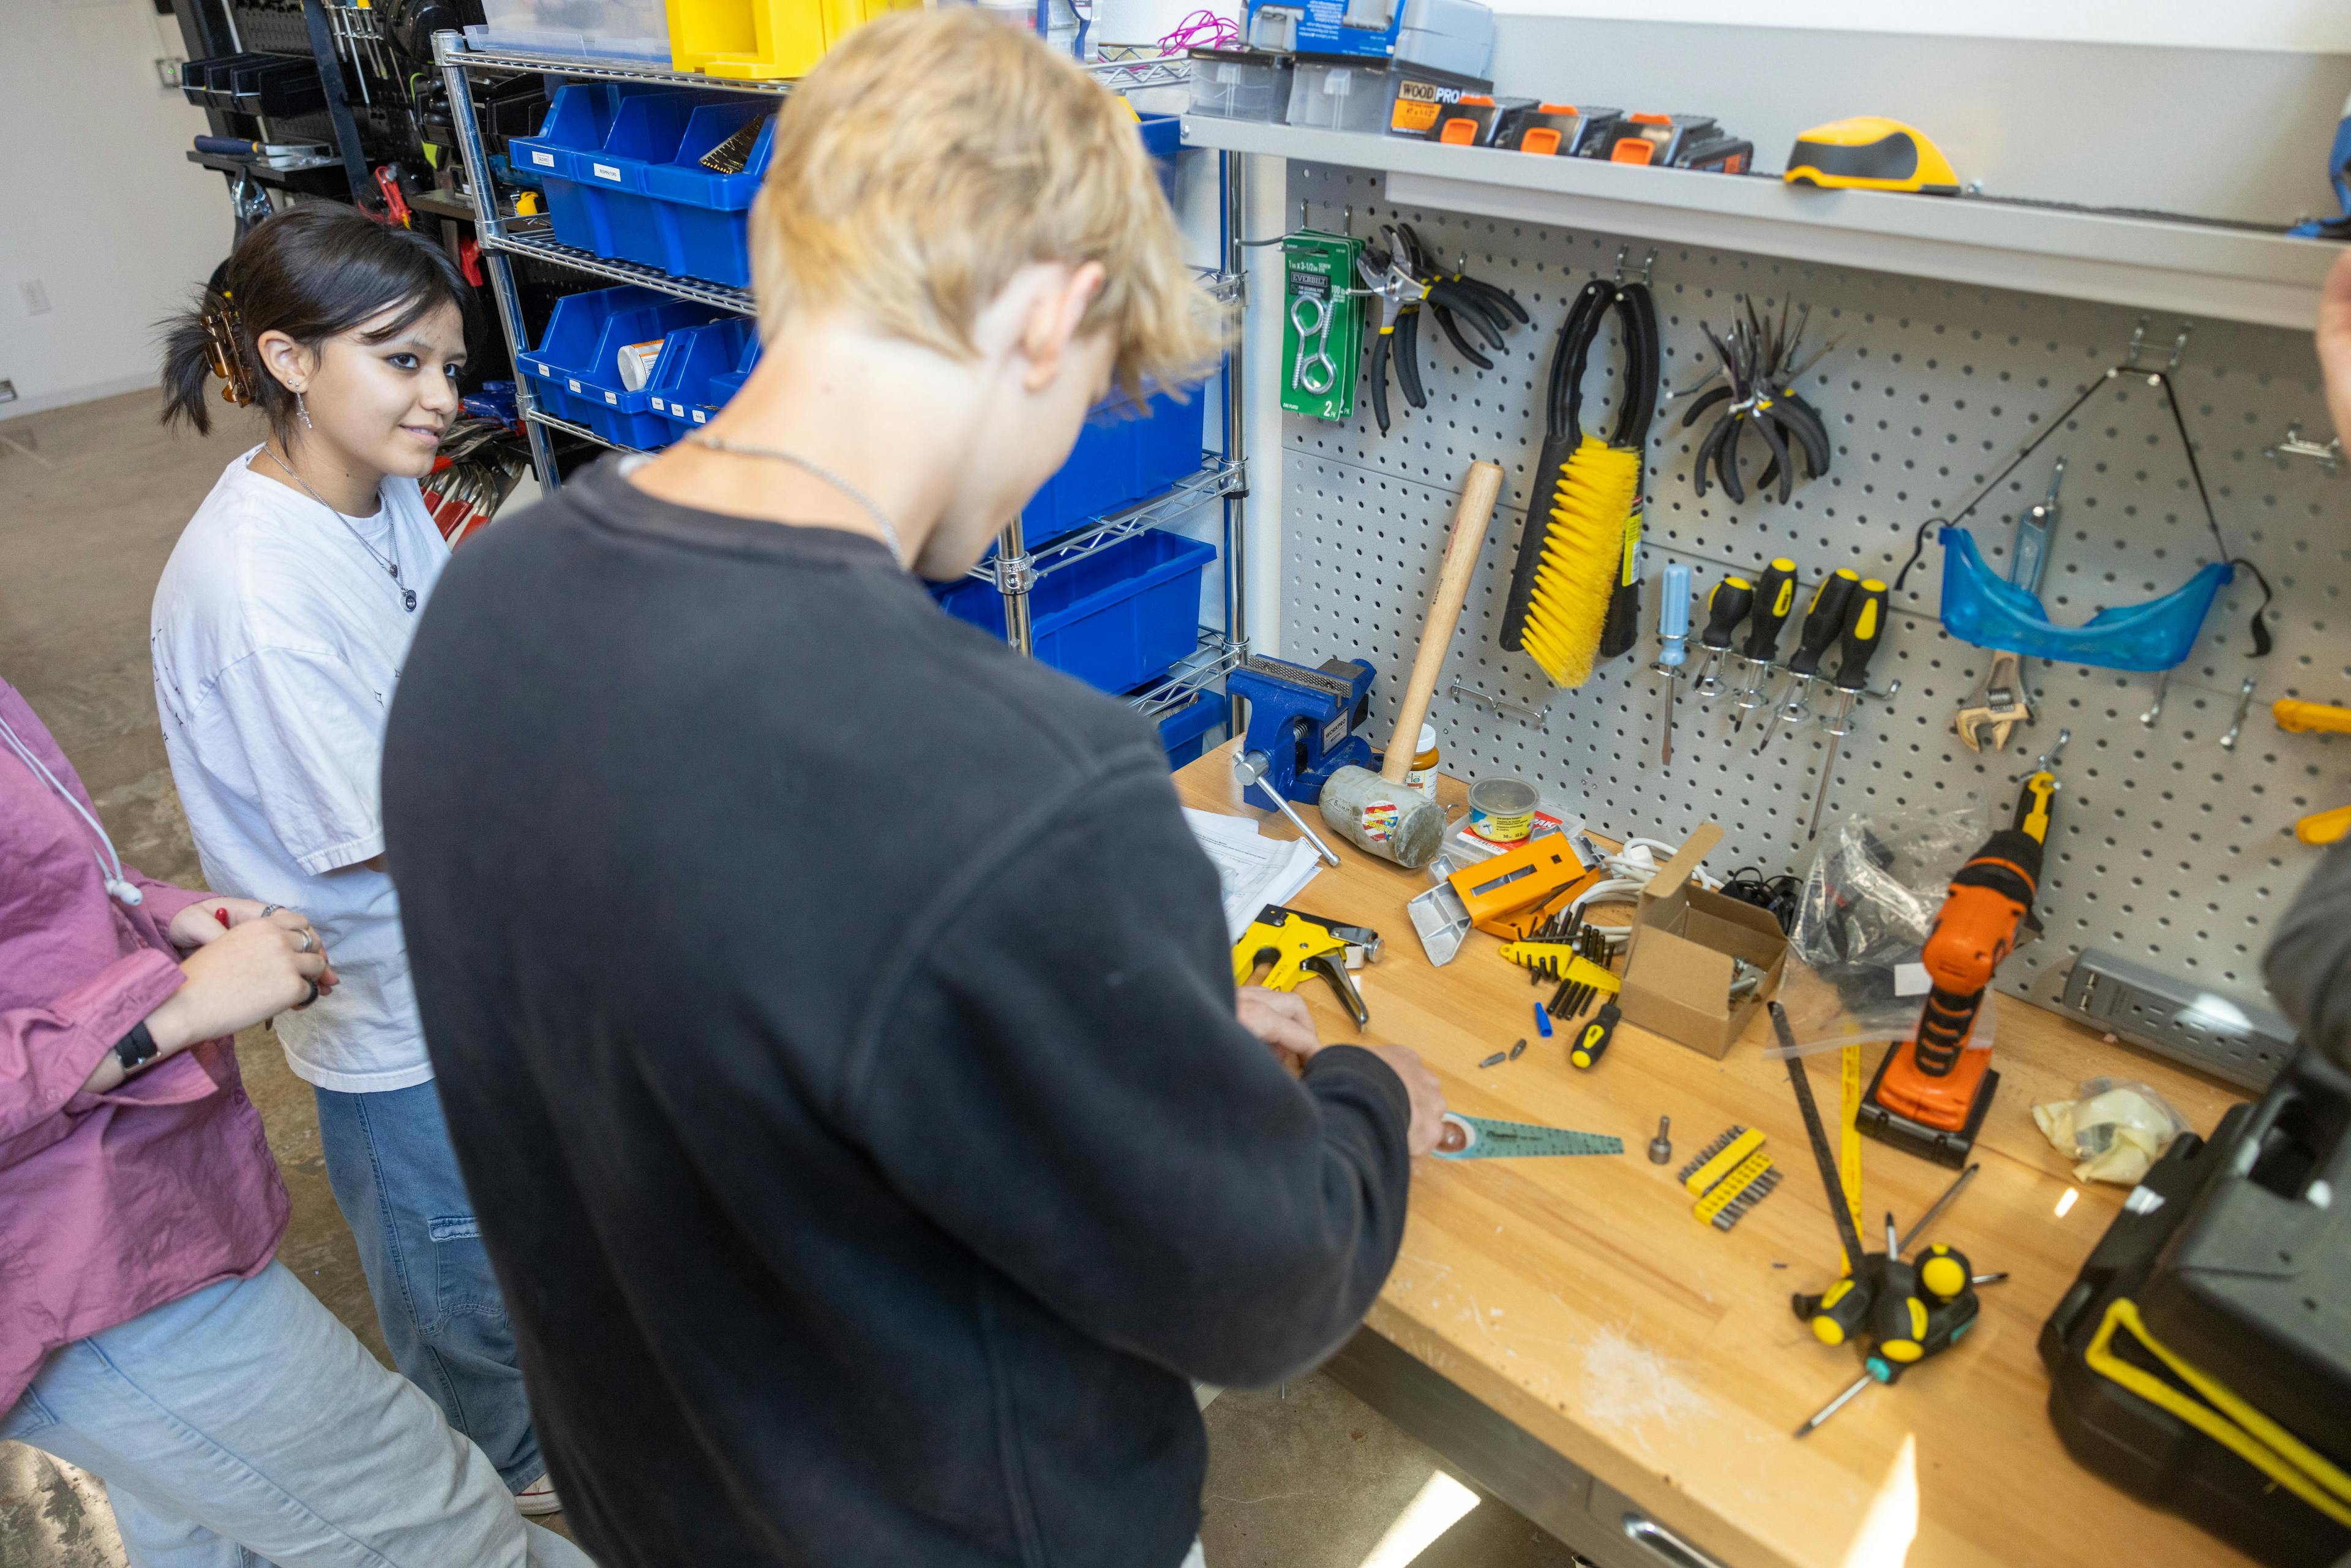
(303, 409)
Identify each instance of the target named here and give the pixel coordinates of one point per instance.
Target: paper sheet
(1253, 871)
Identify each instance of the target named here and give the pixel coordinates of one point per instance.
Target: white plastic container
(618, 29)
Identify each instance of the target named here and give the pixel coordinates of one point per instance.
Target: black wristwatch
(137, 1049)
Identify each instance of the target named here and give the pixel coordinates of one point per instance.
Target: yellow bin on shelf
(764, 40)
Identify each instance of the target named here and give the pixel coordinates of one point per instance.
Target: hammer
(1375, 812)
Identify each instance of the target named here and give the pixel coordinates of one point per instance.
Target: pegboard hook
(2244, 707)
(2328, 458)
(1540, 717)
(2138, 345)
(1648, 267)
(2047, 761)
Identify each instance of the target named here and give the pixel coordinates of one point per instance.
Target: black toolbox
(2236, 1255)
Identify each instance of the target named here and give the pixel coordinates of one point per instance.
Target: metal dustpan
(1439, 915)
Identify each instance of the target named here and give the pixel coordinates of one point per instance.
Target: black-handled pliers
(1755, 362)
(1385, 278)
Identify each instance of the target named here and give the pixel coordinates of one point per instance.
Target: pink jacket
(109, 1204)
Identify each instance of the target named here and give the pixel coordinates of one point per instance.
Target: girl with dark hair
(147, 1333)
(277, 634)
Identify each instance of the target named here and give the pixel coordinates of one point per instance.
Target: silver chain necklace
(391, 565)
(880, 518)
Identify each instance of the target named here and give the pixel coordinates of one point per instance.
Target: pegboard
(2167, 847)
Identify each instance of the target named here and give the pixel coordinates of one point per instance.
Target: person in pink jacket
(146, 1331)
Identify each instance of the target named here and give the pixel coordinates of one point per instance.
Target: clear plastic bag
(1853, 976)
(2117, 1129)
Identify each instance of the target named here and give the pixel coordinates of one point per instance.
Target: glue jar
(1502, 809)
(1425, 758)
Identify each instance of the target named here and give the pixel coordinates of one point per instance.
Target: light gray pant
(243, 1424)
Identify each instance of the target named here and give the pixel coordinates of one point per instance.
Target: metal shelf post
(495, 262)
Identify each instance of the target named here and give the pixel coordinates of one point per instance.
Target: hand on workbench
(1420, 1086)
(1281, 1019)
(2335, 343)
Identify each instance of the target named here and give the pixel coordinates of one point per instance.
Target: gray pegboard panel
(2167, 847)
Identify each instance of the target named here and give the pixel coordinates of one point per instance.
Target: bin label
(605, 172)
(612, 398)
(545, 159)
(574, 383)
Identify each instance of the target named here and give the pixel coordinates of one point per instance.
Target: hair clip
(226, 358)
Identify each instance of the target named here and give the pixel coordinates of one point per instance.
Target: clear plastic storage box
(622, 29)
(1339, 95)
(1240, 84)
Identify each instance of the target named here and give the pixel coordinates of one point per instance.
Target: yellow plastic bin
(764, 40)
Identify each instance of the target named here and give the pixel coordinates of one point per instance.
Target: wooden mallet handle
(1471, 514)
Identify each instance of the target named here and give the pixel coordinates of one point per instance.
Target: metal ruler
(1492, 1140)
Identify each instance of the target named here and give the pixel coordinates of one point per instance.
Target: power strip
(2244, 1042)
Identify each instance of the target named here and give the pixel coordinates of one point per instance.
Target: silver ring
(269, 909)
(309, 943)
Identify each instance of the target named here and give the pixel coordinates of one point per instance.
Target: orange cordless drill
(1931, 1092)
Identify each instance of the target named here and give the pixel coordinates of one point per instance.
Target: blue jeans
(395, 1178)
(243, 1425)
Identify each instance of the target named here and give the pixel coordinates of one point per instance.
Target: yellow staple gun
(1282, 946)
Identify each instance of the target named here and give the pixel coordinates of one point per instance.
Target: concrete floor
(93, 498)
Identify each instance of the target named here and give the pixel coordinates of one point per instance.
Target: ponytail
(201, 345)
(313, 272)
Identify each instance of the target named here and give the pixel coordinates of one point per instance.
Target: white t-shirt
(276, 641)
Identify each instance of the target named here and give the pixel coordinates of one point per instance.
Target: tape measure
(1485, 1139)
(1849, 1113)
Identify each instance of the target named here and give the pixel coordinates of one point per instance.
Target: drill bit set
(732, 155)
(1729, 1177)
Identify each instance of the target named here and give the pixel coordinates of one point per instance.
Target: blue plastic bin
(691, 361)
(1116, 619)
(579, 121)
(575, 370)
(725, 386)
(1184, 731)
(705, 217)
(646, 131)
(1121, 458)
(1163, 138)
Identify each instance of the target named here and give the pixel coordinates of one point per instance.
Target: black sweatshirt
(834, 1017)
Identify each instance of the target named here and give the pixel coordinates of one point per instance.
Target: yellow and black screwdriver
(1591, 1041)
(1929, 1320)
(1822, 621)
(1775, 600)
(1864, 628)
(1726, 606)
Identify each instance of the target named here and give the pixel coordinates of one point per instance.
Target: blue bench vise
(1305, 720)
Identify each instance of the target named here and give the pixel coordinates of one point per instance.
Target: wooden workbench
(1601, 1331)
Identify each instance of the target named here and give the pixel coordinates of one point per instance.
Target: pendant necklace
(390, 564)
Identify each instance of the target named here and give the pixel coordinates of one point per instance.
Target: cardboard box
(1678, 969)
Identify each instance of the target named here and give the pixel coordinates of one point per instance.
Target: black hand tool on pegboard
(1757, 362)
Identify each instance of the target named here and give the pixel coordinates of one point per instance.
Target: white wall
(97, 205)
(2312, 26)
